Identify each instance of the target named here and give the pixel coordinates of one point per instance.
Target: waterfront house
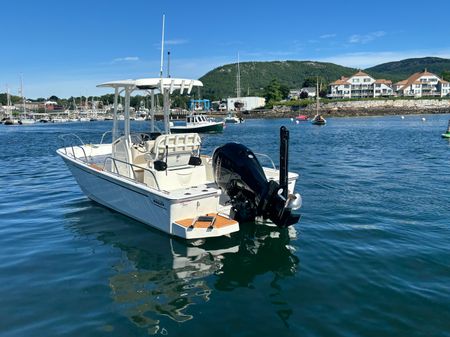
(296, 93)
(360, 85)
(423, 84)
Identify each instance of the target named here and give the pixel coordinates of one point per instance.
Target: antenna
(162, 47)
(168, 64)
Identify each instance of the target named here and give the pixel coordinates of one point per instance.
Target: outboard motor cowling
(239, 174)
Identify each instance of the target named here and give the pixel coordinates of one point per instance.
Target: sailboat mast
(8, 101)
(238, 80)
(317, 96)
(21, 92)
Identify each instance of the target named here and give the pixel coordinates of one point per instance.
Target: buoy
(297, 122)
(292, 119)
(423, 119)
(403, 117)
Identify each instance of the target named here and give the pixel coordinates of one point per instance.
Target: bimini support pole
(115, 130)
(152, 110)
(127, 113)
(166, 110)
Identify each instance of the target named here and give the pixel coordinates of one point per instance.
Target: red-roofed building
(359, 85)
(423, 84)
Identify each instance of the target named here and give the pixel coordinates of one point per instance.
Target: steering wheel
(139, 145)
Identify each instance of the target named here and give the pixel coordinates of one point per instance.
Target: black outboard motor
(239, 174)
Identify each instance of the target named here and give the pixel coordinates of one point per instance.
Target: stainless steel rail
(266, 156)
(63, 139)
(114, 162)
(103, 136)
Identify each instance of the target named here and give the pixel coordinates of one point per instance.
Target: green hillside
(221, 82)
(401, 70)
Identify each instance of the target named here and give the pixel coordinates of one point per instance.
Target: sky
(65, 47)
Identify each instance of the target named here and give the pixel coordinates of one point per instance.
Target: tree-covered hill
(255, 76)
(221, 82)
(400, 70)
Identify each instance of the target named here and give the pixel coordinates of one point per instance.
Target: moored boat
(197, 122)
(301, 118)
(318, 120)
(12, 121)
(164, 181)
(231, 118)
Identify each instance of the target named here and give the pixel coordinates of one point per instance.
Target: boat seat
(176, 148)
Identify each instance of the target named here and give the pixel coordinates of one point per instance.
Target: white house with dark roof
(359, 85)
(423, 84)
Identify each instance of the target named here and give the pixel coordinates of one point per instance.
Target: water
(370, 256)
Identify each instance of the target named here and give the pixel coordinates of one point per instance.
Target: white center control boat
(165, 182)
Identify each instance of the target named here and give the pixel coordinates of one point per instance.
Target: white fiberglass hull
(151, 207)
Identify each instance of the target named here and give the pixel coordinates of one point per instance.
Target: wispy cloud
(126, 59)
(175, 42)
(327, 36)
(365, 38)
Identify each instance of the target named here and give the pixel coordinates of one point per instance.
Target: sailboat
(10, 119)
(163, 180)
(318, 118)
(231, 118)
(24, 119)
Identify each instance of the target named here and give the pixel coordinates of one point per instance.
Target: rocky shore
(359, 108)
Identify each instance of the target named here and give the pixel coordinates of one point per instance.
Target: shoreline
(274, 114)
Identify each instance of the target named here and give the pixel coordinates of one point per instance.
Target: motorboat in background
(231, 118)
(164, 181)
(197, 122)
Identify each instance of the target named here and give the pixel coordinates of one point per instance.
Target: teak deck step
(210, 220)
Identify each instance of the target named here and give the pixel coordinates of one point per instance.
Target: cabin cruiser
(197, 122)
(163, 180)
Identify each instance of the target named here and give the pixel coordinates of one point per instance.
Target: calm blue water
(370, 257)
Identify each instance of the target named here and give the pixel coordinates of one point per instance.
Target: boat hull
(446, 135)
(232, 121)
(211, 128)
(151, 207)
(302, 118)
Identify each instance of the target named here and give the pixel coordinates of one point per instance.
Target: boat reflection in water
(162, 277)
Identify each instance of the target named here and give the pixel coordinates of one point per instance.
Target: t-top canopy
(171, 84)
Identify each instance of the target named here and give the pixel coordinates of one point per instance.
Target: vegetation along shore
(411, 86)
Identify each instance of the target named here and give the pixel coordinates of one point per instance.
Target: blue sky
(65, 48)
